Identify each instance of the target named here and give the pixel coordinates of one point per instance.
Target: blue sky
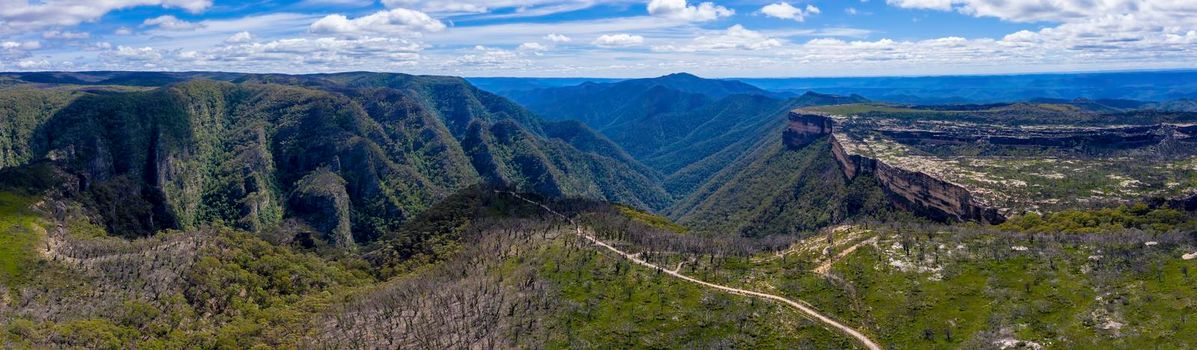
(616, 38)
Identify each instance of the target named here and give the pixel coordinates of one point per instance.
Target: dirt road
(812, 313)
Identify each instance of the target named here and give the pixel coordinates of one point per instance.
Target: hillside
(351, 155)
(681, 126)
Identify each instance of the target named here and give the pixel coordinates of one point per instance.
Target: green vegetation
(1139, 216)
(22, 111)
(199, 151)
(234, 292)
(776, 190)
(651, 220)
(19, 234)
(610, 302)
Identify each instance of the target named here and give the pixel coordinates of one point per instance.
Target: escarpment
(351, 156)
(912, 190)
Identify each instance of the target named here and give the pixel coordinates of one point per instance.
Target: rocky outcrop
(806, 127)
(321, 201)
(915, 191)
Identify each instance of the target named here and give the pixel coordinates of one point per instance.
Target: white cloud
(491, 58)
(1089, 31)
(240, 37)
(557, 38)
(510, 8)
(65, 35)
(1055, 10)
(617, 40)
(734, 38)
(784, 10)
(140, 54)
(171, 23)
(679, 9)
(533, 46)
(23, 15)
(123, 31)
(33, 64)
(303, 54)
(393, 21)
(20, 45)
(443, 6)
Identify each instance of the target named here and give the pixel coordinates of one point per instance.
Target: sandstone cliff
(912, 190)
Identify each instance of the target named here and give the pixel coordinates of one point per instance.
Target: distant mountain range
(1147, 86)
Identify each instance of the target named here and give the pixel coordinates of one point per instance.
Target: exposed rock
(914, 191)
(806, 127)
(320, 200)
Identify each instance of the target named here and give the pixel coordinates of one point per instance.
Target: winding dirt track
(815, 315)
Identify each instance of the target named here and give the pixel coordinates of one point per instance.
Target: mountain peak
(679, 75)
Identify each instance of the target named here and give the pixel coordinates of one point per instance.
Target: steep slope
(684, 127)
(718, 147)
(722, 132)
(777, 189)
(359, 149)
(23, 109)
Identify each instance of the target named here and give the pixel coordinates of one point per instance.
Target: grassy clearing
(654, 221)
(18, 237)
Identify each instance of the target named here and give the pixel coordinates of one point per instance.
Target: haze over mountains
(1148, 86)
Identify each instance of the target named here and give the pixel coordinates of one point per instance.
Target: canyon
(911, 190)
(986, 172)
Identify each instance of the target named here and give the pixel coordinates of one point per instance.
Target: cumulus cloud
(734, 38)
(617, 40)
(168, 22)
(286, 55)
(784, 10)
(533, 46)
(22, 15)
(491, 58)
(681, 10)
(65, 35)
(557, 38)
(240, 37)
(518, 8)
(20, 45)
(393, 21)
(1091, 30)
(33, 64)
(140, 54)
(443, 6)
(1051, 10)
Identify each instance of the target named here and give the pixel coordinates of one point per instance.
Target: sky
(592, 38)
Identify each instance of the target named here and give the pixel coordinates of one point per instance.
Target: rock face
(806, 127)
(320, 200)
(915, 191)
(918, 192)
